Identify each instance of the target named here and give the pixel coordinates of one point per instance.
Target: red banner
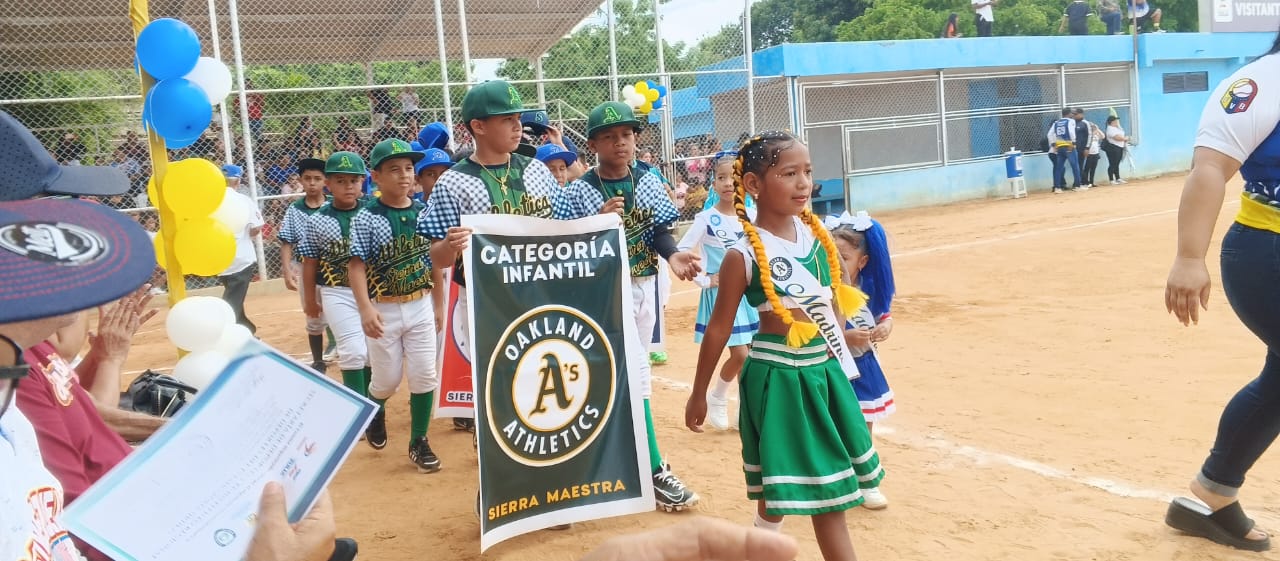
(455, 396)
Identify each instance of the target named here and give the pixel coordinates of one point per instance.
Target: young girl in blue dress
(864, 252)
(714, 231)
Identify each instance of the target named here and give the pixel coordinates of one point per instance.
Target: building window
(1183, 82)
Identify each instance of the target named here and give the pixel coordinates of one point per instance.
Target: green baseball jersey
(294, 226)
(327, 239)
(397, 259)
(646, 207)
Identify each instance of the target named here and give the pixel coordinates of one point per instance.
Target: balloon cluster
(206, 327)
(205, 242)
(644, 96)
(180, 106)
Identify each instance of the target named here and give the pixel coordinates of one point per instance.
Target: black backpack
(156, 394)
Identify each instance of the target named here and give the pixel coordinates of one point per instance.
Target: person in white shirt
(235, 280)
(409, 106)
(1114, 144)
(983, 16)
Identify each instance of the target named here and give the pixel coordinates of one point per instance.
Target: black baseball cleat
(463, 424)
(670, 493)
(376, 434)
(421, 455)
(320, 367)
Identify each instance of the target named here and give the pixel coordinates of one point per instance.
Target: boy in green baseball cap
(618, 185)
(390, 270)
(325, 247)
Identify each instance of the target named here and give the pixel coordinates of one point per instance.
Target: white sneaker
(1121, 181)
(718, 412)
(873, 499)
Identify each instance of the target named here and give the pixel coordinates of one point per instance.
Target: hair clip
(860, 222)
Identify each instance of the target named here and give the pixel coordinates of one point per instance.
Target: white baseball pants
(407, 347)
(344, 319)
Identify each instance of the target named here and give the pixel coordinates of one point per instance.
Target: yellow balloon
(646, 108)
(204, 247)
(651, 95)
(158, 243)
(642, 87)
(153, 197)
(193, 188)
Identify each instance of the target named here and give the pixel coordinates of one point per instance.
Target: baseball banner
(454, 398)
(560, 426)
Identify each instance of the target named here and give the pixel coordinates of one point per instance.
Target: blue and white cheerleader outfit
(874, 396)
(712, 232)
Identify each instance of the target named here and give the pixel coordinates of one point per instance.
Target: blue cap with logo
(548, 152)
(232, 171)
(434, 135)
(433, 157)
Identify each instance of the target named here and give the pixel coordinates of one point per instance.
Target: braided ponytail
(799, 332)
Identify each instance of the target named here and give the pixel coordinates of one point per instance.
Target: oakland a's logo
(551, 385)
(611, 115)
(780, 268)
(514, 96)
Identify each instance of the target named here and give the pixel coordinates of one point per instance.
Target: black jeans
(984, 26)
(1115, 155)
(235, 288)
(1090, 168)
(1251, 421)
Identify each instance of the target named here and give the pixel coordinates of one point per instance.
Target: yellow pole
(139, 15)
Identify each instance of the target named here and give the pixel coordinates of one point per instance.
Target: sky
(682, 20)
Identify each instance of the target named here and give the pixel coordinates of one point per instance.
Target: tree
(892, 19)
(774, 22)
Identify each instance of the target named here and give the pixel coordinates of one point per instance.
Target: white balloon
(196, 323)
(199, 369)
(233, 339)
(628, 91)
(636, 100)
(213, 77)
(232, 215)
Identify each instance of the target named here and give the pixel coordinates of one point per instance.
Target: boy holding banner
(325, 247)
(617, 184)
(491, 180)
(390, 273)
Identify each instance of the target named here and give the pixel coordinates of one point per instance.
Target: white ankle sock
(763, 524)
(721, 388)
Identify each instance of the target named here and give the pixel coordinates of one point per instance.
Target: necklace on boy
(502, 181)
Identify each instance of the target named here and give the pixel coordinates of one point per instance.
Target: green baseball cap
(490, 99)
(611, 114)
(392, 148)
(344, 162)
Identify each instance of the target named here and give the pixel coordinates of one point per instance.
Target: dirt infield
(1048, 406)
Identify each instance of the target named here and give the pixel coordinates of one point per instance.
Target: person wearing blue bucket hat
(434, 135)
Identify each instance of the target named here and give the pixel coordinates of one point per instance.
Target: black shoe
(344, 549)
(421, 455)
(464, 424)
(670, 492)
(320, 367)
(376, 434)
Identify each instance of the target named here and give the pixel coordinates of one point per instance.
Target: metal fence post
(251, 172)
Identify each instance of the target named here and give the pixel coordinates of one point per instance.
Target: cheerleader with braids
(805, 445)
(714, 231)
(864, 252)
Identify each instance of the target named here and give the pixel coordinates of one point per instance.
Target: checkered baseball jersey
(327, 239)
(396, 258)
(294, 225)
(647, 207)
(470, 188)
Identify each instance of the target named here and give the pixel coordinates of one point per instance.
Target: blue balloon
(168, 48)
(179, 109)
(662, 90)
(658, 104)
(177, 143)
(146, 111)
(652, 85)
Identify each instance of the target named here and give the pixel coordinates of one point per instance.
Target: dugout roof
(93, 34)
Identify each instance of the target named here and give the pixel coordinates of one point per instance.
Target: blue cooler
(1013, 163)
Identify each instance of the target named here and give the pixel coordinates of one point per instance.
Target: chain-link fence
(925, 119)
(320, 77)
